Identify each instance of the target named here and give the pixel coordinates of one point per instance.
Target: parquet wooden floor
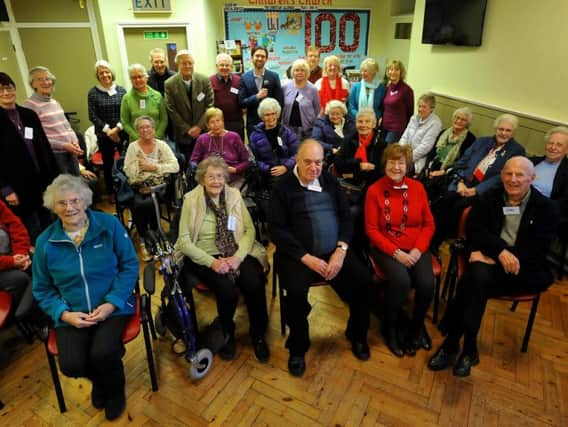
(508, 388)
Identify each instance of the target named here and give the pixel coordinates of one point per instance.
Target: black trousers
(144, 213)
(15, 282)
(447, 213)
(479, 283)
(95, 352)
(108, 147)
(352, 284)
(400, 280)
(250, 282)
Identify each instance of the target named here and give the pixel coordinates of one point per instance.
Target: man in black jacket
(311, 225)
(509, 231)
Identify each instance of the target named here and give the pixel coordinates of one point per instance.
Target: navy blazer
(466, 164)
(537, 230)
(559, 185)
(248, 91)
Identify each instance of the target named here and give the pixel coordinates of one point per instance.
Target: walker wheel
(200, 364)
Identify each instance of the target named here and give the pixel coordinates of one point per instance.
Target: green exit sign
(155, 35)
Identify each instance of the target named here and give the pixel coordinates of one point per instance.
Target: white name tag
(280, 143)
(231, 223)
(313, 187)
(234, 90)
(201, 96)
(299, 97)
(28, 133)
(142, 104)
(511, 210)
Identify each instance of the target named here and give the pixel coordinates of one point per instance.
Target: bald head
(309, 160)
(517, 175)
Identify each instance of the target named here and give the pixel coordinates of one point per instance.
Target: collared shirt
(314, 184)
(512, 222)
(258, 79)
(222, 79)
(545, 173)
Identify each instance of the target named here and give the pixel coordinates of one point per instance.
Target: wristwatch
(343, 246)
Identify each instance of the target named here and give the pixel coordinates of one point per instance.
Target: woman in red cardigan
(399, 225)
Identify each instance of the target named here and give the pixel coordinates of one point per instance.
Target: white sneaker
(146, 256)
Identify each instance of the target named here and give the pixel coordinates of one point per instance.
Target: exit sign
(151, 6)
(155, 35)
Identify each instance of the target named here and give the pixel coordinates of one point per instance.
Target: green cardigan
(154, 106)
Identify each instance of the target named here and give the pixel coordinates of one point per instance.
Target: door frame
(121, 25)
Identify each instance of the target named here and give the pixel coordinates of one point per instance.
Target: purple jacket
(309, 104)
(266, 157)
(229, 146)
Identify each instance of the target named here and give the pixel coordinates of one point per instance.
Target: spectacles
(219, 177)
(7, 88)
(66, 203)
(43, 79)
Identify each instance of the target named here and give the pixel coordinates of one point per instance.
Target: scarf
(224, 238)
(364, 142)
(327, 93)
(111, 91)
(448, 147)
(367, 93)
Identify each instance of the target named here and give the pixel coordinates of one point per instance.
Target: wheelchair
(177, 311)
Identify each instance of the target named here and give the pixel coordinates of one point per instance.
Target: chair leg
(56, 382)
(514, 305)
(282, 299)
(436, 300)
(147, 314)
(149, 352)
(563, 246)
(449, 274)
(530, 323)
(274, 279)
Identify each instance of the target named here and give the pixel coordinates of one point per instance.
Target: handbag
(354, 192)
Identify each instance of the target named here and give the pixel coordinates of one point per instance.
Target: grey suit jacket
(183, 112)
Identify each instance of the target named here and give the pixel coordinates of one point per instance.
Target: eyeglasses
(43, 79)
(7, 88)
(66, 203)
(217, 177)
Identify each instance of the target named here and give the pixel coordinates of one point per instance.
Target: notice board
(286, 32)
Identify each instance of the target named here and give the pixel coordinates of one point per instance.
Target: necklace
(215, 146)
(387, 213)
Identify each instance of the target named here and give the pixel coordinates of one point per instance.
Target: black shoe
(393, 344)
(229, 350)
(442, 359)
(360, 350)
(421, 340)
(296, 365)
(115, 407)
(462, 368)
(261, 350)
(98, 396)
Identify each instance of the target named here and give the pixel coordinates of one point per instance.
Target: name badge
(231, 223)
(511, 210)
(280, 143)
(313, 187)
(28, 133)
(299, 97)
(142, 104)
(201, 96)
(266, 82)
(234, 90)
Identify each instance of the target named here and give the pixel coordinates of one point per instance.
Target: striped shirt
(53, 120)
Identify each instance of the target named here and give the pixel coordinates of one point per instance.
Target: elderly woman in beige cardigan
(217, 237)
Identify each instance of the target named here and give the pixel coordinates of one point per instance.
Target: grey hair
(465, 111)
(329, 59)
(300, 63)
(428, 98)
(157, 50)
(210, 162)
(268, 104)
(65, 183)
(41, 68)
(558, 129)
(367, 111)
(335, 103)
(506, 118)
(184, 52)
(370, 64)
(137, 67)
(222, 56)
(105, 64)
(141, 118)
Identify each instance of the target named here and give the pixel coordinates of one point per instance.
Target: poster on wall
(286, 33)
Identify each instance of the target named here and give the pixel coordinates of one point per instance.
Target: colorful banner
(287, 33)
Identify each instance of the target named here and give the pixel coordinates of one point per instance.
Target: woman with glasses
(217, 236)
(399, 225)
(27, 164)
(84, 272)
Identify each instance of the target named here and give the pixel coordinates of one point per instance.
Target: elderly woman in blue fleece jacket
(84, 272)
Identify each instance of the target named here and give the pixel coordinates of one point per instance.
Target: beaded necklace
(387, 213)
(215, 145)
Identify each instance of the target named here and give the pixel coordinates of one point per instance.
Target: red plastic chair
(5, 306)
(130, 333)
